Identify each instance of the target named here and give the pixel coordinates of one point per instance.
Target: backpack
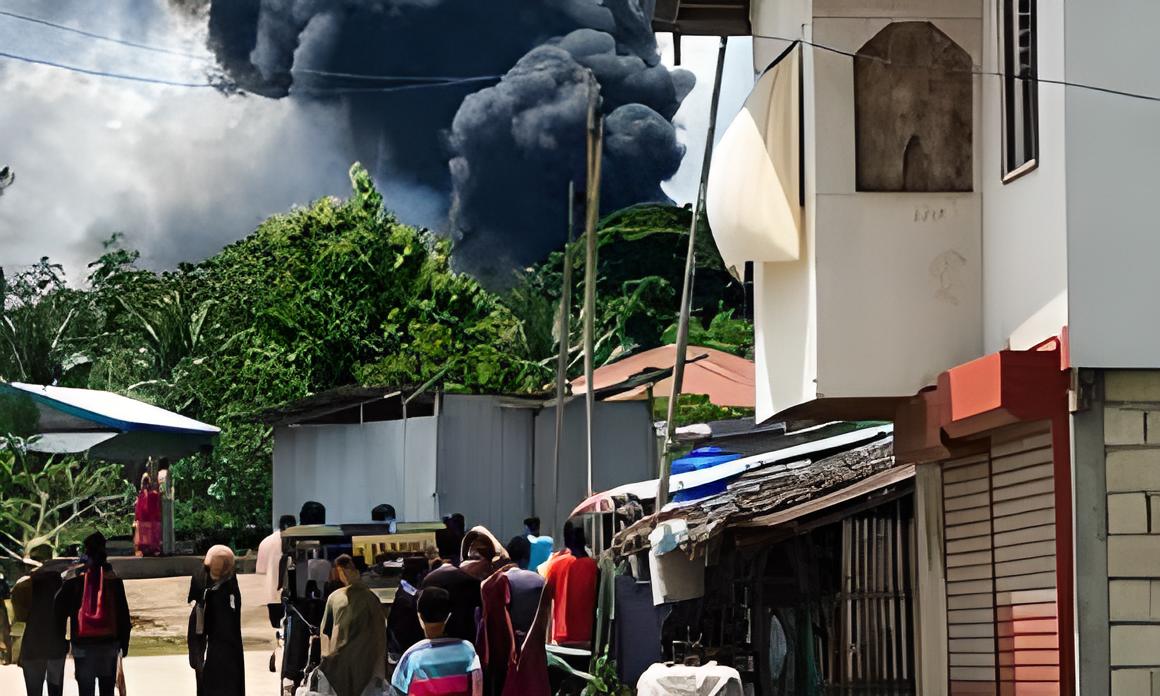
(97, 617)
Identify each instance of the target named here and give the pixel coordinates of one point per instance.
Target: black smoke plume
(497, 153)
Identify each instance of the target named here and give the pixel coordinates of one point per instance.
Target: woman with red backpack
(98, 614)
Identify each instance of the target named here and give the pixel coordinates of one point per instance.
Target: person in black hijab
(215, 627)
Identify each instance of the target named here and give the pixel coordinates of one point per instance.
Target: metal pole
(563, 323)
(595, 138)
(687, 289)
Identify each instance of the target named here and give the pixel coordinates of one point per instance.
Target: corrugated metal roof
(768, 489)
(91, 409)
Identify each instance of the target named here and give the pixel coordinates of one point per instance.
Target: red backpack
(97, 616)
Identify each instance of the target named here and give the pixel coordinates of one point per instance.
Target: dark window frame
(1020, 86)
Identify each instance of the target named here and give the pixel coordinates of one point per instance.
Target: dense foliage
(336, 293)
(641, 266)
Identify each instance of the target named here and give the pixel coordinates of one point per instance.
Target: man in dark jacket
(98, 615)
(43, 648)
(403, 628)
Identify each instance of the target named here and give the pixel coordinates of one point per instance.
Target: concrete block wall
(1131, 419)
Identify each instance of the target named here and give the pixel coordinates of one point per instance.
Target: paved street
(158, 665)
(161, 675)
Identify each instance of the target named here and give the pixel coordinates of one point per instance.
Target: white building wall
(1113, 147)
(888, 292)
(352, 468)
(1024, 220)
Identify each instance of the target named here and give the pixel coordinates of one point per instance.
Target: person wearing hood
(215, 627)
(354, 622)
(94, 602)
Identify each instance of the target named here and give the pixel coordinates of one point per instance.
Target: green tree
(39, 318)
(44, 499)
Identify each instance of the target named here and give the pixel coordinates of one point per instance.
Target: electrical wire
(206, 58)
(972, 71)
(102, 37)
(104, 73)
(396, 88)
(203, 85)
(442, 80)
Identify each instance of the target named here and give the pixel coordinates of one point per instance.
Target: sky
(183, 171)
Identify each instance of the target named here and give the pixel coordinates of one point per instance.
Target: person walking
(353, 621)
(98, 616)
(437, 665)
(43, 648)
(403, 628)
(215, 627)
(571, 582)
(541, 546)
(463, 589)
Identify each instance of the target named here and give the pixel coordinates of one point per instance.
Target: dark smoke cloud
(518, 144)
(502, 154)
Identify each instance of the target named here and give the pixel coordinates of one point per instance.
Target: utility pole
(595, 150)
(563, 323)
(687, 290)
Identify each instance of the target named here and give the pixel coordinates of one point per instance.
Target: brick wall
(1132, 447)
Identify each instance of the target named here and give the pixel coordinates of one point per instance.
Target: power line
(102, 37)
(104, 73)
(397, 88)
(394, 78)
(205, 58)
(972, 71)
(201, 85)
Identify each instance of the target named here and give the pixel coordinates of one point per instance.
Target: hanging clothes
(637, 629)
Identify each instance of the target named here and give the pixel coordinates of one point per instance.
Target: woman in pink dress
(147, 525)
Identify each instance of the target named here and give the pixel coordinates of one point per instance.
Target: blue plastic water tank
(697, 460)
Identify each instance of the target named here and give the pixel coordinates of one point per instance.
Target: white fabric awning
(753, 198)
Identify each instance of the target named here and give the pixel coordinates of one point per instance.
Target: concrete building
(944, 234)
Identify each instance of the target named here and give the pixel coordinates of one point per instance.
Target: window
(1020, 89)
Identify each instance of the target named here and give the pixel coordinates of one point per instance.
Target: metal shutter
(970, 576)
(1023, 504)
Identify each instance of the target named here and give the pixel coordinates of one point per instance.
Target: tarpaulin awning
(728, 380)
(109, 426)
(753, 196)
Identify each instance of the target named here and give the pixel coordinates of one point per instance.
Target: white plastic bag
(315, 684)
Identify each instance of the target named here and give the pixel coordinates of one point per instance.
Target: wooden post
(563, 323)
(595, 149)
(687, 288)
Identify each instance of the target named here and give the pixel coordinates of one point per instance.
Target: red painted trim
(1001, 389)
(1064, 556)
